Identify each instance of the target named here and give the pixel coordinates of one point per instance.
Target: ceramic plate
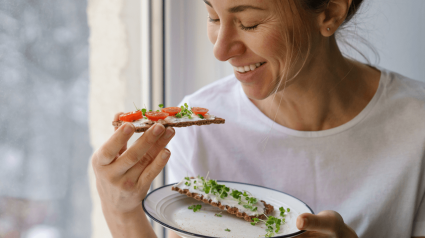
(170, 209)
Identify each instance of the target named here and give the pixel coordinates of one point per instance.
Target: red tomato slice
(131, 116)
(199, 110)
(155, 116)
(171, 110)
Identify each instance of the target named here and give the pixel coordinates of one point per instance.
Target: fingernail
(158, 129)
(166, 154)
(304, 223)
(128, 128)
(169, 132)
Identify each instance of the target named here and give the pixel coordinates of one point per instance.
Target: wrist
(120, 217)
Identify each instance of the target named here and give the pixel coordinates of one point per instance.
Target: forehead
(229, 4)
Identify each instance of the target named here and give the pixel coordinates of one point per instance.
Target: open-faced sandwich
(240, 203)
(183, 116)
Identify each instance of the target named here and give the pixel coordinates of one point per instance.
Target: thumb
(324, 222)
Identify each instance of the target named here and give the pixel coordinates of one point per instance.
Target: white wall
(395, 28)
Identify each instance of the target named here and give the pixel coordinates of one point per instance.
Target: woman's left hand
(326, 224)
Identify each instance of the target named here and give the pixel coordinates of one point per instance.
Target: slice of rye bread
(232, 210)
(217, 120)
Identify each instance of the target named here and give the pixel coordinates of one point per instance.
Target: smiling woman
(335, 130)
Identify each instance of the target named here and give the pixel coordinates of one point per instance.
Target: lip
(251, 76)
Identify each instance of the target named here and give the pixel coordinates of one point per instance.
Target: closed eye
(213, 20)
(248, 28)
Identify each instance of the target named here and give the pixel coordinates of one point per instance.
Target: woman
(346, 138)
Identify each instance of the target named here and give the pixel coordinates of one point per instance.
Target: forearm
(133, 224)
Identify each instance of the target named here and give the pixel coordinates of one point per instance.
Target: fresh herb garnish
(185, 112)
(143, 110)
(195, 208)
(200, 115)
(227, 229)
(273, 224)
(218, 215)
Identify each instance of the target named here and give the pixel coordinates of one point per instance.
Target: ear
(333, 16)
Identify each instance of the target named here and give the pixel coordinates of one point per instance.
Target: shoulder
(403, 91)
(401, 102)
(403, 86)
(215, 94)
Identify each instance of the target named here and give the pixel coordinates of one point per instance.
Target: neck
(329, 91)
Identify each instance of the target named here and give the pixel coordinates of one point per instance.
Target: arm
(123, 177)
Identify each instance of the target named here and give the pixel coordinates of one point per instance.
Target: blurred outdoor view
(44, 141)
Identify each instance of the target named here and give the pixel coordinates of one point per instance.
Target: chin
(256, 92)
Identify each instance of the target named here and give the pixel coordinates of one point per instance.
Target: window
(44, 142)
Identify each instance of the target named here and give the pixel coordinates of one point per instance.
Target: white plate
(170, 209)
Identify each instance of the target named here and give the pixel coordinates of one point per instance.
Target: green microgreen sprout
(273, 224)
(187, 184)
(185, 112)
(195, 208)
(200, 115)
(143, 110)
(218, 215)
(227, 229)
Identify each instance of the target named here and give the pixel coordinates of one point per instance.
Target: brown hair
(295, 15)
(320, 5)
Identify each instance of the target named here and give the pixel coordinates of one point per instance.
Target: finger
(134, 172)
(117, 118)
(109, 150)
(153, 169)
(324, 222)
(139, 149)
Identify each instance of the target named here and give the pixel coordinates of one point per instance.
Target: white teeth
(247, 68)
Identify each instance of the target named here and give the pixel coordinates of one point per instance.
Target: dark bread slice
(217, 120)
(232, 210)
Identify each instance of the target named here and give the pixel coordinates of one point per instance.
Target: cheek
(212, 32)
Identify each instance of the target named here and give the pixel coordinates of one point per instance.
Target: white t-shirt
(371, 170)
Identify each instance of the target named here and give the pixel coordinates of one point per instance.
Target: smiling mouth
(248, 68)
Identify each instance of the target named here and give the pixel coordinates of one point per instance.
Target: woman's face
(248, 34)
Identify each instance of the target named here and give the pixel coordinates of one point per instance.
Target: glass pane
(44, 142)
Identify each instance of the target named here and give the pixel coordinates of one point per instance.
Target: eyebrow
(237, 9)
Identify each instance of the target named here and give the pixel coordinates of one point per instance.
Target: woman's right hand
(124, 176)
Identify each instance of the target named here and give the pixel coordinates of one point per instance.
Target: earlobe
(333, 16)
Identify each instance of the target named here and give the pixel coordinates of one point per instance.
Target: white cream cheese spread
(172, 119)
(197, 185)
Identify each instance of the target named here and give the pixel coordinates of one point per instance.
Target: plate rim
(225, 181)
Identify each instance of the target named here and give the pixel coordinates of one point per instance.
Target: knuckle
(147, 159)
(128, 185)
(131, 157)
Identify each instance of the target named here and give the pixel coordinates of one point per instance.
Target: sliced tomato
(199, 110)
(155, 116)
(131, 116)
(171, 110)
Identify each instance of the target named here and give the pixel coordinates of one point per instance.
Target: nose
(228, 44)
